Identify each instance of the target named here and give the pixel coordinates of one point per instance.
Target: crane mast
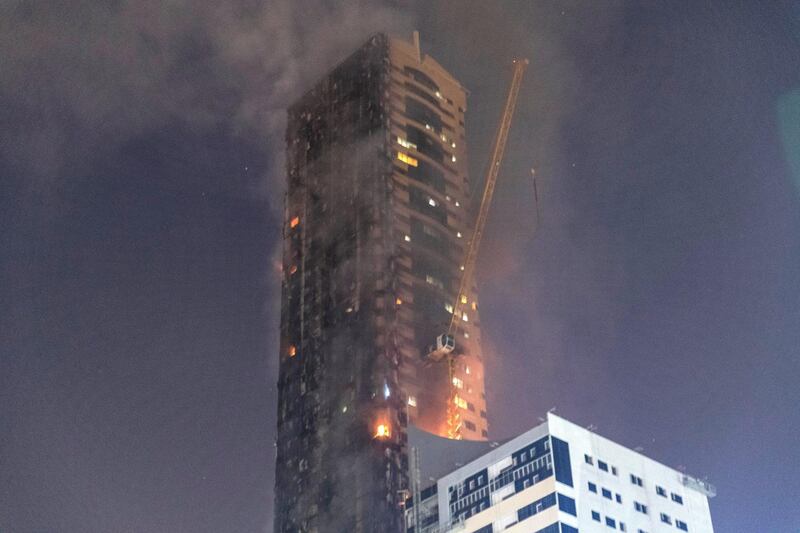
(445, 344)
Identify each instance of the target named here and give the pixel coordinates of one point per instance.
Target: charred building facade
(377, 219)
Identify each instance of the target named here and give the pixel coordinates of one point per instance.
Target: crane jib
(498, 149)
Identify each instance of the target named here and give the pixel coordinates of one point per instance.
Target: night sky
(141, 190)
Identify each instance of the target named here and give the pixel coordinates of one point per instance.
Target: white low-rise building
(555, 478)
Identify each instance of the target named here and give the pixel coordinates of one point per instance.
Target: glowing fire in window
(383, 431)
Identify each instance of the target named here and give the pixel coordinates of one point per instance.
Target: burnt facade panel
(375, 213)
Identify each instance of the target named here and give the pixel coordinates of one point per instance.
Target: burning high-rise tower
(377, 219)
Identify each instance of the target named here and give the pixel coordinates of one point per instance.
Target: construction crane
(445, 345)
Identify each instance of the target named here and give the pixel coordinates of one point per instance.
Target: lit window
(412, 401)
(453, 145)
(453, 159)
(407, 238)
(474, 306)
(464, 317)
(460, 402)
(406, 144)
(427, 126)
(407, 159)
(463, 299)
(294, 222)
(293, 269)
(466, 335)
(458, 383)
(448, 308)
(292, 350)
(467, 370)
(458, 204)
(438, 94)
(458, 234)
(399, 301)
(432, 202)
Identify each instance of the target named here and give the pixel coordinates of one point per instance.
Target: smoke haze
(141, 193)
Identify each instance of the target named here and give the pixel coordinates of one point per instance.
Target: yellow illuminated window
(464, 317)
(474, 306)
(463, 299)
(407, 159)
(448, 308)
(412, 401)
(460, 402)
(458, 383)
(292, 350)
(399, 301)
(294, 222)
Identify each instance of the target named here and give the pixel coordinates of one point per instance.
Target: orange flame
(383, 431)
